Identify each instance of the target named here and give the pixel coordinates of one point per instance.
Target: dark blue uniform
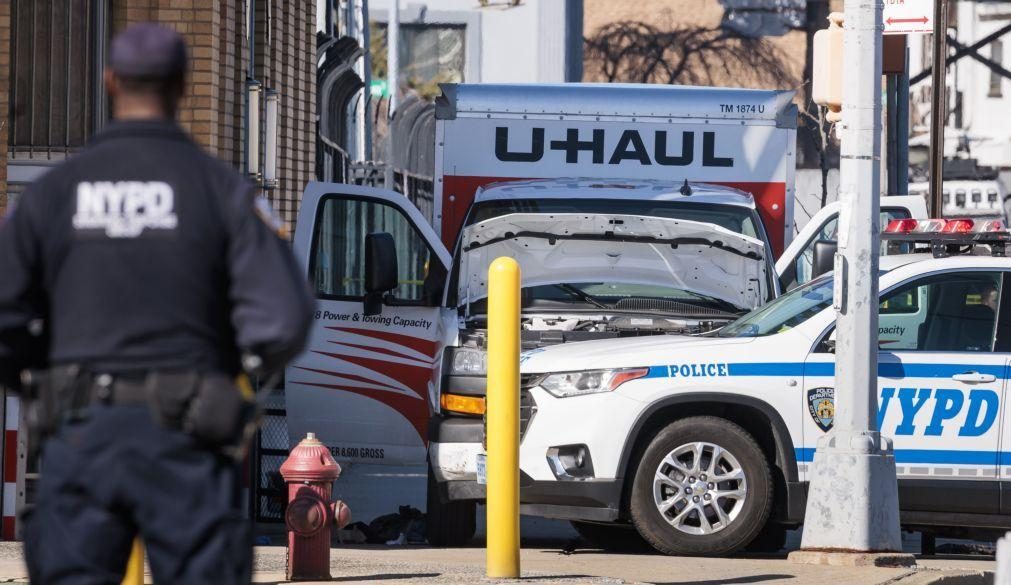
(142, 254)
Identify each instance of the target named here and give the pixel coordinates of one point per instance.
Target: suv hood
(558, 248)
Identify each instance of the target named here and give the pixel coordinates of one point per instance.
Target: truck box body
(739, 138)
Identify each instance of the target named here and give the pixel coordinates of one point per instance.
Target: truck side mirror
(824, 257)
(380, 270)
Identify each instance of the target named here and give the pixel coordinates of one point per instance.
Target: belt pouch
(218, 414)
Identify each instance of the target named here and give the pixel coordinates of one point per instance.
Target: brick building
(52, 53)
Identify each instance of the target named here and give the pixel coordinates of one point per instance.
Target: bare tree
(640, 52)
(820, 131)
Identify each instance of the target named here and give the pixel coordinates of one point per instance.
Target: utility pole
(852, 502)
(938, 106)
(393, 55)
(392, 76)
(358, 26)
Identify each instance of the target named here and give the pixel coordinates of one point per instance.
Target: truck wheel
(612, 537)
(703, 487)
(448, 523)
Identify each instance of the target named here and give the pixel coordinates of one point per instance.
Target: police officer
(152, 270)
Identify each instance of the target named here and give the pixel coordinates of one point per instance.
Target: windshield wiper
(583, 296)
(612, 237)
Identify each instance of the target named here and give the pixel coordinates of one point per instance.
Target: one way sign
(902, 17)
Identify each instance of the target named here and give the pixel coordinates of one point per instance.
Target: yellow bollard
(135, 566)
(503, 412)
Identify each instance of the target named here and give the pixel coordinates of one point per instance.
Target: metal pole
(891, 159)
(938, 106)
(134, 574)
(902, 130)
(392, 77)
(853, 495)
(364, 69)
(393, 55)
(503, 413)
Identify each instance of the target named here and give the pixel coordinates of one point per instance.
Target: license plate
(482, 469)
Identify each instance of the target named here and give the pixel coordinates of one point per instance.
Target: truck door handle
(974, 378)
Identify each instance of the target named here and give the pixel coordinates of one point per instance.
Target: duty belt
(135, 388)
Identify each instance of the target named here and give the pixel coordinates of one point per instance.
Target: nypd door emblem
(821, 405)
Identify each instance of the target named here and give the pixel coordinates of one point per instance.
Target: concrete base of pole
(851, 559)
(853, 497)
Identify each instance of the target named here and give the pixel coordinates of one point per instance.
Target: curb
(851, 559)
(944, 577)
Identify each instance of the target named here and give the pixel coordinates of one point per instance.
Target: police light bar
(948, 236)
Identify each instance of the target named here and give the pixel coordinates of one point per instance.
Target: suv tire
(448, 523)
(702, 487)
(621, 538)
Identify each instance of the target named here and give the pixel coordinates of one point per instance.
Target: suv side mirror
(380, 270)
(824, 257)
(829, 342)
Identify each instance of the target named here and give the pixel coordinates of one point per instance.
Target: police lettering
(630, 146)
(981, 410)
(698, 370)
(124, 209)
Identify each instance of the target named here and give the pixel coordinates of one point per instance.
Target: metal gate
(270, 449)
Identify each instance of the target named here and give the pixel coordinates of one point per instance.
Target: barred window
(56, 68)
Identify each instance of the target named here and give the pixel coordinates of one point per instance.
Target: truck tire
(621, 538)
(448, 523)
(702, 487)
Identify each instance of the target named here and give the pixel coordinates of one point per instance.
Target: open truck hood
(557, 248)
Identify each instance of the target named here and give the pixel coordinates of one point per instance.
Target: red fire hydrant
(310, 471)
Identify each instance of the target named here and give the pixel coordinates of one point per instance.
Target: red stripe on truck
(420, 345)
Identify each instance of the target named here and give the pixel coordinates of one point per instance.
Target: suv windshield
(784, 313)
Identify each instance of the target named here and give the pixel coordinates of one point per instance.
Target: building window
(55, 74)
(430, 54)
(997, 56)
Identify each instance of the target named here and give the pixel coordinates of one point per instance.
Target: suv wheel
(612, 537)
(703, 487)
(448, 523)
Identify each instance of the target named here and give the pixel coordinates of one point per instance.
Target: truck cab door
(794, 267)
(366, 383)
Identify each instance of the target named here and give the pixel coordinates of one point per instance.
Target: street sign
(903, 17)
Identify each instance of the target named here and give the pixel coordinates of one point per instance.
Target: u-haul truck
(739, 138)
(633, 210)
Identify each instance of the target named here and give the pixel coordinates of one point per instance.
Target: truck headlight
(565, 384)
(468, 362)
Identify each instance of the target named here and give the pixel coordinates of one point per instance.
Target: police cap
(148, 50)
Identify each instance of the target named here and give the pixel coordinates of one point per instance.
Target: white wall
(986, 120)
(525, 43)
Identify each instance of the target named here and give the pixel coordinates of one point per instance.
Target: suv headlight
(465, 361)
(565, 384)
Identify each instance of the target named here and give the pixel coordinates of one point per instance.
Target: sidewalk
(412, 565)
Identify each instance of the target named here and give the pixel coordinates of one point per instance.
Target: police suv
(703, 444)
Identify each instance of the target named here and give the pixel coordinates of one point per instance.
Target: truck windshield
(784, 313)
(737, 219)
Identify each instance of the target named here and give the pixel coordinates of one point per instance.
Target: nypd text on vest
(124, 209)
